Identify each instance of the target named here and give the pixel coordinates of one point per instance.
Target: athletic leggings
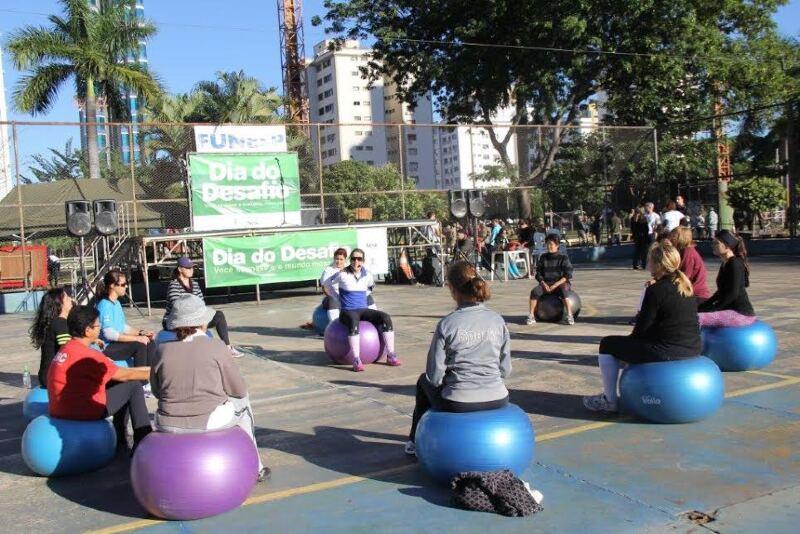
(720, 318)
(218, 321)
(351, 318)
(143, 355)
(429, 397)
(126, 400)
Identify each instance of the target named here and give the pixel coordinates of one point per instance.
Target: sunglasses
(357, 258)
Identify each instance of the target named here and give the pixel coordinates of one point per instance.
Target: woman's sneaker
(393, 360)
(357, 365)
(599, 403)
(530, 320)
(410, 448)
(264, 474)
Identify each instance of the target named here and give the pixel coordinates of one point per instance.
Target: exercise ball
(678, 391)
(59, 447)
(740, 348)
(491, 440)
(320, 320)
(551, 309)
(165, 336)
(190, 476)
(35, 404)
(338, 348)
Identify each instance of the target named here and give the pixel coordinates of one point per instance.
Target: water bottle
(26, 378)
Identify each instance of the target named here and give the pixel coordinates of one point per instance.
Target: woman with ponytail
(469, 357)
(692, 264)
(666, 328)
(730, 305)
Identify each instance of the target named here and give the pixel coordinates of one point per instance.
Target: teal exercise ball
(35, 404)
(740, 348)
(677, 391)
(58, 447)
(490, 440)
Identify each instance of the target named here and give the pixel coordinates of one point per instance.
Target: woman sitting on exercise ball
(666, 327)
(730, 305)
(49, 331)
(197, 384)
(84, 385)
(122, 341)
(692, 264)
(353, 285)
(469, 356)
(182, 283)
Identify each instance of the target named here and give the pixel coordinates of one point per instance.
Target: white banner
(231, 138)
(374, 243)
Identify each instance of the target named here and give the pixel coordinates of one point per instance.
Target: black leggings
(143, 355)
(640, 253)
(634, 350)
(125, 400)
(218, 321)
(351, 318)
(431, 397)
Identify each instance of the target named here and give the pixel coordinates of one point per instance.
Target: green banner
(232, 191)
(289, 257)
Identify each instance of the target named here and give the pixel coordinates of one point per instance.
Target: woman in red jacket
(692, 264)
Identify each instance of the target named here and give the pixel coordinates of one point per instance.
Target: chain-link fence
(566, 177)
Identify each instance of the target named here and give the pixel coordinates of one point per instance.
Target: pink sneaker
(393, 360)
(358, 366)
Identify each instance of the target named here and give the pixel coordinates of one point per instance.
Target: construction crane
(290, 29)
(724, 171)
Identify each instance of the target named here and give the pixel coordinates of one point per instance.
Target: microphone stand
(283, 191)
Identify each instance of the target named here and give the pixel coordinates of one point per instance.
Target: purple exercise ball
(190, 476)
(338, 349)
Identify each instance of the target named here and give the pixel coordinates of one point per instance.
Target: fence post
(133, 179)
(319, 168)
(402, 170)
(655, 159)
(19, 205)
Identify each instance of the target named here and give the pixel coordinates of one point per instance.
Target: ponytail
(740, 251)
(463, 278)
(683, 284)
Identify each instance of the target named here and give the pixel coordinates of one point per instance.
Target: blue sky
(197, 38)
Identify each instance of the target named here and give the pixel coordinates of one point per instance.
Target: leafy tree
(674, 60)
(237, 98)
(60, 165)
(756, 196)
(85, 45)
(355, 182)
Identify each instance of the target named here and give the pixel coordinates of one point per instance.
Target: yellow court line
(354, 479)
(776, 375)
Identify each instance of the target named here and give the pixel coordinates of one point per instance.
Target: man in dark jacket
(553, 272)
(465, 247)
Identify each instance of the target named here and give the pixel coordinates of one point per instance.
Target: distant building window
(412, 151)
(321, 111)
(413, 166)
(360, 148)
(365, 102)
(356, 103)
(369, 148)
(328, 108)
(326, 63)
(412, 137)
(328, 93)
(359, 133)
(356, 118)
(355, 73)
(331, 138)
(327, 78)
(356, 89)
(370, 162)
(319, 82)
(320, 96)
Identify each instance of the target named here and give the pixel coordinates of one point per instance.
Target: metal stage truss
(401, 235)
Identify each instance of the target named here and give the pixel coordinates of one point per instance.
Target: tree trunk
(91, 130)
(524, 203)
(524, 160)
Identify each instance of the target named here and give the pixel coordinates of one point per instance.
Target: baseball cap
(185, 262)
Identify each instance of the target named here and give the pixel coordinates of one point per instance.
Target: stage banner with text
(288, 257)
(236, 191)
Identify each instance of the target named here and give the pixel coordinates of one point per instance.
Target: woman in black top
(639, 231)
(730, 305)
(49, 329)
(666, 327)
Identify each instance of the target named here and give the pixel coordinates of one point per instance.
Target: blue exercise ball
(678, 391)
(59, 447)
(320, 320)
(166, 336)
(740, 348)
(451, 443)
(35, 404)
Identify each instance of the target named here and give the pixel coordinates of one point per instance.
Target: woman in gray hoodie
(470, 354)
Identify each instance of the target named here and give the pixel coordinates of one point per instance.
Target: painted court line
(354, 479)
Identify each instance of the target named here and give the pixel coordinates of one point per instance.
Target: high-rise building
(339, 93)
(119, 137)
(6, 181)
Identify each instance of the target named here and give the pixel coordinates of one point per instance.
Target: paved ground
(333, 438)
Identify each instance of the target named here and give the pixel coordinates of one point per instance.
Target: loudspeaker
(458, 206)
(105, 216)
(79, 217)
(477, 206)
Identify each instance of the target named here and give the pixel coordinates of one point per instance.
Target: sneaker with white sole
(569, 319)
(357, 365)
(530, 320)
(393, 360)
(148, 391)
(235, 353)
(599, 403)
(410, 448)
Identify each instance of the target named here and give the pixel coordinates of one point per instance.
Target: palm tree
(237, 98)
(88, 46)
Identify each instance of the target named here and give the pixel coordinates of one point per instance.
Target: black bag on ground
(500, 492)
